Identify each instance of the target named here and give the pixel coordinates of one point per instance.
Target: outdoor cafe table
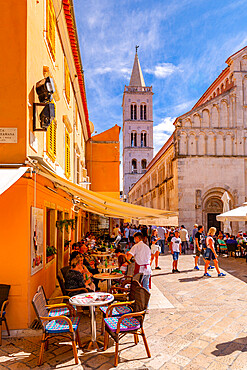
(107, 276)
(92, 300)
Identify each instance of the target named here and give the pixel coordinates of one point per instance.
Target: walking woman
(210, 253)
(155, 249)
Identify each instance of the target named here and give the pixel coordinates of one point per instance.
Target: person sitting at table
(74, 278)
(231, 245)
(87, 277)
(91, 263)
(241, 243)
(123, 263)
(222, 244)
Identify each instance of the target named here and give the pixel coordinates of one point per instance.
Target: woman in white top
(210, 253)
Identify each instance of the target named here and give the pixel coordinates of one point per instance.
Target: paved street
(194, 323)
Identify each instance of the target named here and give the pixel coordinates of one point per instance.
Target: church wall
(201, 179)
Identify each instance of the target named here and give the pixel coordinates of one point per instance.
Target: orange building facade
(42, 42)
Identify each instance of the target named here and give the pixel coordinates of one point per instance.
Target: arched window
(133, 139)
(144, 165)
(143, 139)
(143, 112)
(134, 166)
(133, 111)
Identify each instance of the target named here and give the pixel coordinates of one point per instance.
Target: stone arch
(227, 83)
(192, 150)
(243, 63)
(245, 89)
(205, 118)
(224, 115)
(222, 88)
(212, 205)
(187, 123)
(219, 144)
(201, 144)
(228, 144)
(196, 120)
(211, 144)
(215, 116)
(183, 143)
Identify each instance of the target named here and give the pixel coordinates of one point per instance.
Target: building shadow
(195, 278)
(171, 273)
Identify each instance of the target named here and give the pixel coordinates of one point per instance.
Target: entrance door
(212, 222)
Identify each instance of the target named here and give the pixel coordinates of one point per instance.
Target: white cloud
(163, 70)
(162, 132)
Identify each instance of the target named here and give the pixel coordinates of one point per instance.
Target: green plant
(65, 224)
(50, 251)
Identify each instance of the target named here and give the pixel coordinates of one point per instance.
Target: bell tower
(137, 127)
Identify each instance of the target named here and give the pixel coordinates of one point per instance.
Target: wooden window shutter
(51, 140)
(51, 27)
(67, 154)
(67, 80)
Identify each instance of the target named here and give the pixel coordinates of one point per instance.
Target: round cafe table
(92, 300)
(107, 276)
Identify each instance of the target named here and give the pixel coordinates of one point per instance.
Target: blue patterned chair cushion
(4, 313)
(127, 324)
(61, 326)
(117, 311)
(59, 311)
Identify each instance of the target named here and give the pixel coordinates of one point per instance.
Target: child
(123, 263)
(176, 250)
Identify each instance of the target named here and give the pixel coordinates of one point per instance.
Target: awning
(8, 176)
(236, 214)
(103, 205)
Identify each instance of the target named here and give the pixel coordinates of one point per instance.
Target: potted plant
(50, 253)
(65, 224)
(66, 244)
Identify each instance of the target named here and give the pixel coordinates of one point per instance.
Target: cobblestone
(197, 324)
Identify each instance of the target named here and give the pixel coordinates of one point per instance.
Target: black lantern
(44, 88)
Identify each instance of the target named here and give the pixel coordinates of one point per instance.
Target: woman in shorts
(210, 253)
(155, 249)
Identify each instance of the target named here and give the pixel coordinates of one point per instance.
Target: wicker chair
(124, 308)
(55, 326)
(4, 293)
(64, 271)
(64, 308)
(68, 292)
(130, 323)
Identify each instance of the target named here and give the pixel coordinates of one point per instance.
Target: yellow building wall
(13, 77)
(102, 161)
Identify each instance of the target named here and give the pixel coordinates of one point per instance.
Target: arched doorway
(213, 207)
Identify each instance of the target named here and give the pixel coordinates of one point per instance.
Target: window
(51, 140)
(143, 112)
(133, 139)
(144, 164)
(134, 166)
(77, 169)
(143, 139)
(133, 111)
(50, 27)
(67, 154)
(66, 80)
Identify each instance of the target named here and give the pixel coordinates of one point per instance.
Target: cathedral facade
(137, 127)
(206, 155)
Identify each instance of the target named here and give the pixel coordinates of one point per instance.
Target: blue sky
(183, 48)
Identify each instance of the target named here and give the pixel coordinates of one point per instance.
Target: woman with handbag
(155, 249)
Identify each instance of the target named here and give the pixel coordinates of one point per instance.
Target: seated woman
(222, 244)
(74, 278)
(87, 278)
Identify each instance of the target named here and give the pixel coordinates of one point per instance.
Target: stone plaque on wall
(8, 135)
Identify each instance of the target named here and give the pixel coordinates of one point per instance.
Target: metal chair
(130, 323)
(4, 293)
(57, 325)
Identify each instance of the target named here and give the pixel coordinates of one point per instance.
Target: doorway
(212, 222)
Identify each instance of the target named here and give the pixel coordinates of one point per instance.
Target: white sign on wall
(37, 238)
(8, 135)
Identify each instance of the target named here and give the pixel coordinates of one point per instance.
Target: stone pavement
(197, 323)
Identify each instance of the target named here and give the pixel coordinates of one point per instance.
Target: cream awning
(106, 206)
(8, 176)
(236, 214)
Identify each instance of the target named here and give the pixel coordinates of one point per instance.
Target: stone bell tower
(137, 127)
